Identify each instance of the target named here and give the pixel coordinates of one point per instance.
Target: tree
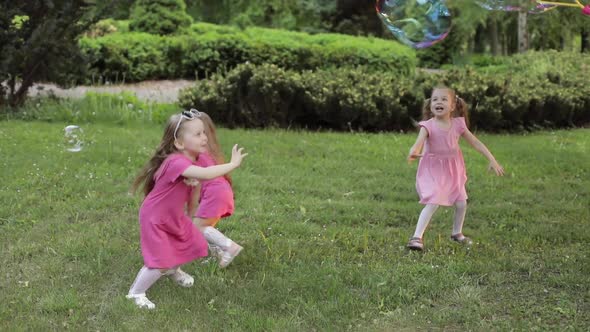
(38, 41)
(585, 40)
(523, 35)
(304, 15)
(159, 17)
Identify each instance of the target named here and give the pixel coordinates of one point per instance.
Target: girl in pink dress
(441, 176)
(214, 199)
(168, 236)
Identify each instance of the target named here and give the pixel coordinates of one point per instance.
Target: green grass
(323, 217)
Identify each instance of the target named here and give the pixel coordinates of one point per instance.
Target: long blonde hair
(460, 106)
(145, 177)
(212, 143)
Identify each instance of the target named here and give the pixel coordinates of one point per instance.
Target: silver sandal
(462, 239)
(415, 243)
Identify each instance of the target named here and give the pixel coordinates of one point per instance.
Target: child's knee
(461, 204)
(209, 222)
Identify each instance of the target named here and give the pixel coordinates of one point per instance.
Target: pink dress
(168, 236)
(217, 197)
(441, 175)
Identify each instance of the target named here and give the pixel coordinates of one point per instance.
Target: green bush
(159, 17)
(354, 98)
(267, 95)
(102, 28)
(139, 58)
(208, 48)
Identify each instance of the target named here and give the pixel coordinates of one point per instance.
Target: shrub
(208, 48)
(159, 17)
(355, 98)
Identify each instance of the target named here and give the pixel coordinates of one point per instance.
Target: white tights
(430, 209)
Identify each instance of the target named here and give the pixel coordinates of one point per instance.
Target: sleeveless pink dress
(168, 236)
(441, 175)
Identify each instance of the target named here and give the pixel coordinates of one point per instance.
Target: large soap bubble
(417, 23)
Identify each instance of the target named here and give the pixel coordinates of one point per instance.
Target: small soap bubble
(73, 138)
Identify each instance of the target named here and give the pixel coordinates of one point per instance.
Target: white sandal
(228, 256)
(141, 301)
(182, 278)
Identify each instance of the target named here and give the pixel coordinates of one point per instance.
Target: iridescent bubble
(73, 138)
(416, 23)
(532, 6)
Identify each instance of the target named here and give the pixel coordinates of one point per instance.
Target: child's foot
(416, 243)
(182, 278)
(462, 239)
(229, 255)
(141, 301)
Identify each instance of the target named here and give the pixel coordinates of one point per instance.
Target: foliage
(532, 90)
(159, 17)
(208, 48)
(39, 42)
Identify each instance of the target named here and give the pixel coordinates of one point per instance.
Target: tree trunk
(17, 98)
(493, 29)
(11, 85)
(479, 44)
(523, 38)
(585, 34)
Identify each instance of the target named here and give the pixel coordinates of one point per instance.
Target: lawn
(324, 219)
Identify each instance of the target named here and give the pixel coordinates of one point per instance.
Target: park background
(324, 99)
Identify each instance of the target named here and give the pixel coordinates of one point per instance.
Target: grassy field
(323, 217)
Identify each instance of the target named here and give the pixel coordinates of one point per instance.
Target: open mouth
(439, 108)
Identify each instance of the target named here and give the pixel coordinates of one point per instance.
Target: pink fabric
(217, 197)
(168, 236)
(441, 175)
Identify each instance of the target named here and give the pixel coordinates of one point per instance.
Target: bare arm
(208, 173)
(416, 149)
(481, 148)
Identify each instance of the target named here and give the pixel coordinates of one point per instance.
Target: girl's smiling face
(441, 103)
(192, 137)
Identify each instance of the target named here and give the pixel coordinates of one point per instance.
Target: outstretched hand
(237, 155)
(497, 168)
(413, 156)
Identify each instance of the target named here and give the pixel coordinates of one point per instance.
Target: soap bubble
(73, 138)
(416, 23)
(531, 6)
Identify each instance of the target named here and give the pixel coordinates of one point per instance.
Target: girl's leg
(460, 210)
(457, 235)
(201, 223)
(212, 235)
(215, 237)
(214, 249)
(424, 219)
(144, 280)
(180, 277)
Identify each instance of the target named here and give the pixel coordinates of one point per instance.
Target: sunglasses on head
(189, 115)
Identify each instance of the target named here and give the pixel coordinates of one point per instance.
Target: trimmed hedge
(269, 96)
(353, 98)
(209, 48)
